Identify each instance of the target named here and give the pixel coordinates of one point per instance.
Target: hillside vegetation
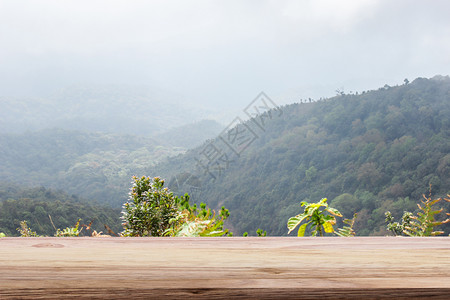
(95, 166)
(367, 153)
(35, 205)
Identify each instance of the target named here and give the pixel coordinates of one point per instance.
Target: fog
(221, 54)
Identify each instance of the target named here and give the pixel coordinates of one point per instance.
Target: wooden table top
(236, 267)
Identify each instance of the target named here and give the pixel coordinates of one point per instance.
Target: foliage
(315, 217)
(347, 231)
(421, 224)
(153, 210)
(260, 232)
(92, 165)
(150, 210)
(73, 231)
(395, 227)
(378, 150)
(36, 204)
(70, 231)
(192, 222)
(26, 231)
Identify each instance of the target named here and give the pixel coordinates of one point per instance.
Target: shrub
(421, 224)
(191, 222)
(260, 232)
(26, 231)
(347, 231)
(150, 208)
(317, 218)
(70, 231)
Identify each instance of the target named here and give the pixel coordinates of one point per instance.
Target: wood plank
(252, 267)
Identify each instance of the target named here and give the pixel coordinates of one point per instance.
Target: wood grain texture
(242, 268)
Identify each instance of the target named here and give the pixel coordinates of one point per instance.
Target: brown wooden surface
(258, 268)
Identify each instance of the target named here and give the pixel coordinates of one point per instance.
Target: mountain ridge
(380, 149)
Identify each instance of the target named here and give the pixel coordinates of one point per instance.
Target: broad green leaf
(309, 211)
(333, 211)
(301, 230)
(294, 221)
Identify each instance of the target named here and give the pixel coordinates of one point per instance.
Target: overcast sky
(222, 53)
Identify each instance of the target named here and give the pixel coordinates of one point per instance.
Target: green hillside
(367, 153)
(95, 166)
(36, 204)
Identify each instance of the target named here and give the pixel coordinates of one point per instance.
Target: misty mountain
(105, 108)
(190, 135)
(368, 153)
(96, 166)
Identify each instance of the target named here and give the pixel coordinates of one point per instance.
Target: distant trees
(92, 165)
(374, 152)
(381, 147)
(35, 205)
(347, 204)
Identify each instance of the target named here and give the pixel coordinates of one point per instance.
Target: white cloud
(222, 49)
(338, 16)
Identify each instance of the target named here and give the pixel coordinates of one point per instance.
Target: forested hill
(95, 166)
(367, 153)
(35, 205)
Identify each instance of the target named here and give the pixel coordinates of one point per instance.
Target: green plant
(245, 234)
(421, 224)
(26, 231)
(261, 232)
(347, 231)
(70, 231)
(395, 227)
(153, 210)
(192, 222)
(150, 210)
(315, 217)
